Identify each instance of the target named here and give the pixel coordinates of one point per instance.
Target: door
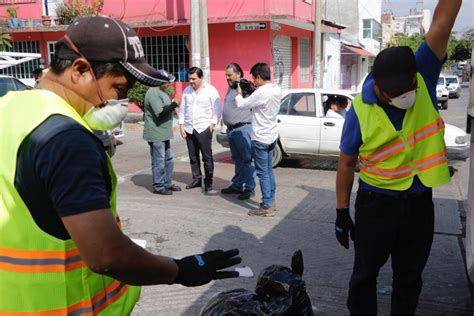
(332, 123)
(299, 127)
(282, 61)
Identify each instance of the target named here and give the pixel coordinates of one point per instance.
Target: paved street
(190, 222)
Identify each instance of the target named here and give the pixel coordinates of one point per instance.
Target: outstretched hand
(203, 268)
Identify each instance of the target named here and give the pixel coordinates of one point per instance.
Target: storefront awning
(358, 50)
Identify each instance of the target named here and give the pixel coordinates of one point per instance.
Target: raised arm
(440, 30)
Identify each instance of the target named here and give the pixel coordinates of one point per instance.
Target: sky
(464, 21)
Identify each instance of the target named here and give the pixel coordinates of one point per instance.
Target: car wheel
(277, 155)
(444, 105)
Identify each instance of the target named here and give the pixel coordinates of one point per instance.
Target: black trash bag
(279, 291)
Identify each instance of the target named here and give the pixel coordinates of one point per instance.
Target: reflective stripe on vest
(41, 274)
(389, 159)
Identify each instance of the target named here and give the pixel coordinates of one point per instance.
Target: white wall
(369, 9)
(332, 61)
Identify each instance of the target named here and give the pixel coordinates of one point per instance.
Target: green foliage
(462, 50)
(170, 90)
(412, 41)
(12, 11)
(137, 93)
(68, 11)
(5, 41)
(457, 49)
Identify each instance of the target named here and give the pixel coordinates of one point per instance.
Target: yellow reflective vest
(389, 159)
(40, 274)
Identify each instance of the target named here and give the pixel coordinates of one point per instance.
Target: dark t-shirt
(62, 171)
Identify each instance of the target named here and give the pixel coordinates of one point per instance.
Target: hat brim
(145, 73)
(396, 82)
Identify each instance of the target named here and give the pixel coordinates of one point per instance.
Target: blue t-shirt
(429, 66)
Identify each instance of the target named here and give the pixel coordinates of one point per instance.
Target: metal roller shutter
(282, 61)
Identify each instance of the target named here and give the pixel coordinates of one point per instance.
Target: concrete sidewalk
(190, 222)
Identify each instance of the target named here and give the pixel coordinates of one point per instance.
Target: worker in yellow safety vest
(395, 133)
(61, 248)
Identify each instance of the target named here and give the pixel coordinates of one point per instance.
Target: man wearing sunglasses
(62, 251)
(395, 132)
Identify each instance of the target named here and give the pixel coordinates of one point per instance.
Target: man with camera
(265, 104)
(238, 122)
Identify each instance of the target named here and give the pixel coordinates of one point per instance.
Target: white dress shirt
(232, 114)
(265, 105)
(199, 109)
(333, 114)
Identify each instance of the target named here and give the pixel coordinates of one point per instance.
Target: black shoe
(231, 190)
(163, 192)
(174, 187)
(246, 195)
(208, 189)
(194, 184)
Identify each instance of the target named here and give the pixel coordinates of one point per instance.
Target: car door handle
(278, 121)
(329, 124)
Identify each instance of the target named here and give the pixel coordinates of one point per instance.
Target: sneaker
(246, 195)
(163, 192)
(208, 189)
(231, 190)
(263, 211)
(174, 188)
(194, 184)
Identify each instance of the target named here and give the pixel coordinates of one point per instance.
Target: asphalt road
(190, 222)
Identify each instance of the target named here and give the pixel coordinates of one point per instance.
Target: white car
(442, 92)
(304, 131)
(454, 86)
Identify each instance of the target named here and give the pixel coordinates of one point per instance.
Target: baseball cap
(395, 69)
(169, 77)
(104, 39)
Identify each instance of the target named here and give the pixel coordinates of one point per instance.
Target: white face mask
(404, 101)
(107, 117)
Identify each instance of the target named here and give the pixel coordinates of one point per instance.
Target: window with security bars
(304, 59)
(23, 70)
(51, 50)
(168, 52)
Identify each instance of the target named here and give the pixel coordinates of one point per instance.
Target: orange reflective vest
(389, 159)
(41, 274)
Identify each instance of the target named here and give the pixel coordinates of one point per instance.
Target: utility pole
(195, 35)
(317, 71)
(205, 64)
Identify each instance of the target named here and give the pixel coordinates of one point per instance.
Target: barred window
(168, 52)
(23, 70)
(51, 50)
(304, 59)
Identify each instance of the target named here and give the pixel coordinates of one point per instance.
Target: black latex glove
(169, 108)
(344, 226)
(201, 269)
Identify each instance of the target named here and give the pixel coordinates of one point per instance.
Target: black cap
(395, 69)
(103, 39)
(169, 77)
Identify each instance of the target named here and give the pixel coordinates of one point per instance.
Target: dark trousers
(201, 143)
(400, 227)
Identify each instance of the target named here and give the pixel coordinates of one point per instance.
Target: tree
(412, 41)
(462, 50)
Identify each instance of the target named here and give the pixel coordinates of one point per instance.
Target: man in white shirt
(337, 108)
(239, 127)
(265, 105)
(200, 112)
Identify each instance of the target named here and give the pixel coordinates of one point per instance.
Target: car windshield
(441, 81)
(451, 80)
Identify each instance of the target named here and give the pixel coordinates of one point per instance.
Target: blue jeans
(161, 164)
(262, 157)
(241, 150)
